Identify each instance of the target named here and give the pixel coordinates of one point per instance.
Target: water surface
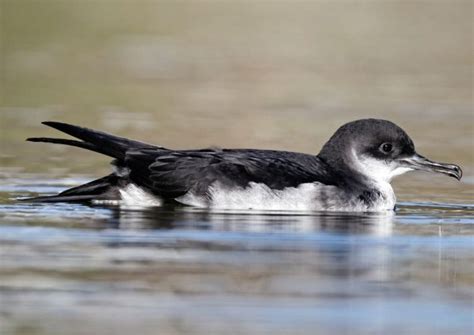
(77, 269)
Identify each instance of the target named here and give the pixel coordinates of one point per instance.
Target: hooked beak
(418, 162)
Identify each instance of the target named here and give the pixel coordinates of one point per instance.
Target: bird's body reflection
(316, 246)
(375, 224)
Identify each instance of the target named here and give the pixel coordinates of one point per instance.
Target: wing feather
(171, 174)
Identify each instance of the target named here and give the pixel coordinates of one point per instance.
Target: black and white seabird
(352, 172)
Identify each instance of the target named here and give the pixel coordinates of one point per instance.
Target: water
(94, 269)
(273, 75)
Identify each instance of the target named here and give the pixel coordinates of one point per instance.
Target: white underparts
(255, 196)
(305, 197)
(132, 196)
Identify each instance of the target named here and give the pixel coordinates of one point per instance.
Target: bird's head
(378, 150)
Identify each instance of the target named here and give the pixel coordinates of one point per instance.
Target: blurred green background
(264, 74)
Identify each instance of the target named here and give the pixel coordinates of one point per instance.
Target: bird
(352, 172)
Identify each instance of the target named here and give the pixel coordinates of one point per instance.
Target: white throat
(380, 174)
(378, 171)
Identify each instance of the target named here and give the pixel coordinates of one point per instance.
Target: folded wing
(173, 173)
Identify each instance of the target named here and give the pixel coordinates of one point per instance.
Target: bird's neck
(373, 189)
(376, 194)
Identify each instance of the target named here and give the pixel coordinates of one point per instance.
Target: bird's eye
(386, 147)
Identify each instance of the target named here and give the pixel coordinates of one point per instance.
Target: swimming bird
(352, 172)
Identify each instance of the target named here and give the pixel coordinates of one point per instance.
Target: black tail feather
(58, 198)
(73, 143)
(94, 140)
(105, 188)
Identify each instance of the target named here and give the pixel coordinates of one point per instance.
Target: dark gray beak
(418, 162)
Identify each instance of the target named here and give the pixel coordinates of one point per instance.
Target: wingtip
(51, 123)
(34, 139)
(61, 126)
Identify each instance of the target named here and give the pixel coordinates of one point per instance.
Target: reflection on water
(255, 221)
(184, 270)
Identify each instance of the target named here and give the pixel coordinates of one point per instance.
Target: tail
(105, 188)
(106, 144)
